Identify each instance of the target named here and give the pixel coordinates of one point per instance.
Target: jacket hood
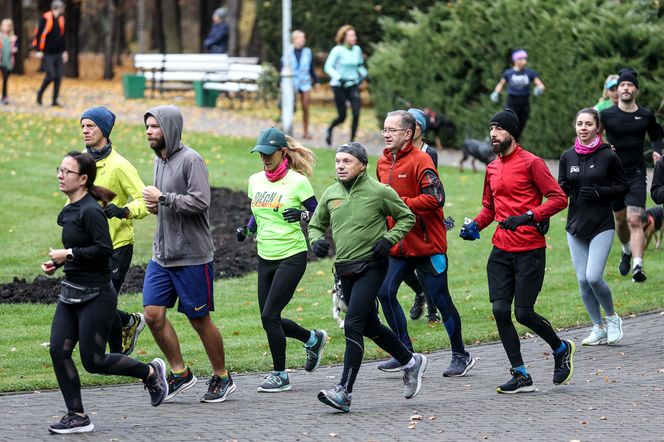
(170, 120)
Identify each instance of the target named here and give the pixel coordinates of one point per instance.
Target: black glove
(113, 211)
(295, 215)
(589, 193)
(242, 233)
(512, 222)
(381, 248)
(321, 248)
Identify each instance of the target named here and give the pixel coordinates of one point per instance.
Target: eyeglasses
(60, 170)
(391, 130)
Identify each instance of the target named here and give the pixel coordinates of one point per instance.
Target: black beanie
(507, 120)
(356, 150)
(628, 74)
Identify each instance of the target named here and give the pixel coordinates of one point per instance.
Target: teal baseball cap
(269, 141)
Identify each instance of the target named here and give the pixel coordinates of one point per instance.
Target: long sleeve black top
(657, 188)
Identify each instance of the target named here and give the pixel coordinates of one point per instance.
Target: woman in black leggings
(87, 295)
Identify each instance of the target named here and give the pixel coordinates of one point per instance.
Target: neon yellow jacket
(117, 174)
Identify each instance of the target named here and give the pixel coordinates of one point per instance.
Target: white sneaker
(596, 337)
(614, 331)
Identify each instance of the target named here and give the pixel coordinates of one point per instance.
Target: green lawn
(32, 147)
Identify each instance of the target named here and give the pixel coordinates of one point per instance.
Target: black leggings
(361, 320)
(521, 107)
(277, 281)
(53, 66)
(88, 324)
(120, 263)
(342, 95)
(413, 281)
(5, 80)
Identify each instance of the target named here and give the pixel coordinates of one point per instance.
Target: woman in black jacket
(592, 175)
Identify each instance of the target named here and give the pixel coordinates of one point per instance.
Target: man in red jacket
(412, 174)
(514, 185)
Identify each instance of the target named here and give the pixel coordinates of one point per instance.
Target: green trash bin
(204, 97)
(133, 85)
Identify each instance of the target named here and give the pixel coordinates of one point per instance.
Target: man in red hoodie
(514, 185)
(412, 174)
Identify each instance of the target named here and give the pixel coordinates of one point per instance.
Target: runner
(591, 175)
(278, 195)
(610, 94)
(514, 185)
(657, 188)
(355, 207)
(410, 172)
(81, 315)
(626, 127)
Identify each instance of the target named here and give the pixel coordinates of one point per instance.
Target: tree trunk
(170, 21)
(233, 18)
(120, 44)
(157, 33)
(205, 10)
(109, 37)
(16, 14)
(72, 24)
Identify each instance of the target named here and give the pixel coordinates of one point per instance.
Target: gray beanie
(356, 150)
(220, 12)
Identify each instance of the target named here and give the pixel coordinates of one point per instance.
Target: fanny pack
(71, 293)
(352, 268)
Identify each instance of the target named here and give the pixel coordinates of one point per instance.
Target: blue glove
(495, 97)
(469, 230)
(538, 91)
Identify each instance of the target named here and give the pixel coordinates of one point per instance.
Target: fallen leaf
(236, 332)
(299, 308)
(416, 417)
(412, 426)
(333, 435)
(584, 422)
(603, 418)
(320, 273)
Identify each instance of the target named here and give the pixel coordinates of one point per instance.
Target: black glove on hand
(113, 211)
(295, 215)
(512, 222)
(321, 248)
(242, 233)
(381, 248)
(589, 193)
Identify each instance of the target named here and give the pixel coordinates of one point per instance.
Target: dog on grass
(653, 225)
(476, 150)
(338, 302)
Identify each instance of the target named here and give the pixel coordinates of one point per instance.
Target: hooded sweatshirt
(183, 234)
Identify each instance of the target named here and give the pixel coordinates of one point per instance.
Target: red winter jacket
(513, 185)
(414, 177)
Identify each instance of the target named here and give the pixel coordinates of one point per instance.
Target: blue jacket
(217, 40)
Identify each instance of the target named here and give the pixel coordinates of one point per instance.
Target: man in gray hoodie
(181, 267)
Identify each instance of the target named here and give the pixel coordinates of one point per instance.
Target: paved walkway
(617, 393)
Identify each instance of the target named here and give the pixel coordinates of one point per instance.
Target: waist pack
(542, 226)
(71, 293)
(352, 268)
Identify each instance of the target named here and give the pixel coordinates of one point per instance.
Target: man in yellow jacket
(114, 172)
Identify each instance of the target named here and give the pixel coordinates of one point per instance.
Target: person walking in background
(120, 176)
(355, 207)
(181, 268)
(345, 67)
(610, 94)
(591, 175)
(626, 126)
(514, 186)
(8, 50)
(304, 76)
(216, 41)
(518, 79)
(49, 42)
(657, 187)
(87, 296)
(282, 197)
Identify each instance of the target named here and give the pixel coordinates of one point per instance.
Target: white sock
(638, 262)
(626, 249)
(410, 363)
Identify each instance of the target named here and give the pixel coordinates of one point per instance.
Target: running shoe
(390, 365)
(460, 365)
(157, 385)
(337, 398)
(315, 352)
(637, 274)
(274, 383)
(564, 365)
(625, 260)
(518, 384)
(596, 337)
(177, 383)
(131, 332)
(412, 377)
(417, 310)
(72, 423)
(218, 389)
(433, 320)
(614, 332)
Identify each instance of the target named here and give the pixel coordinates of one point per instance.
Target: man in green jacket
(356, 208)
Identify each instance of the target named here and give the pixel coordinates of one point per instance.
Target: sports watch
(531, 215)
(162, 199)
(70, 255)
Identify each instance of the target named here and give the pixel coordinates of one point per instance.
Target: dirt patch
(228, 210)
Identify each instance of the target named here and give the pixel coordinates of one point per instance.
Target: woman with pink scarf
(592, 175)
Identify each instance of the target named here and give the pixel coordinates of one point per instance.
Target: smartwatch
(531, 215)
(70, 255)
(162, 199)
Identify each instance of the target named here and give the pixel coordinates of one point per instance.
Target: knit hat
(628, 74)
(519, 54)
(270, 140)
(356, 150)
(102, 117)
(220, 12)
(420, 118)
(507, 119)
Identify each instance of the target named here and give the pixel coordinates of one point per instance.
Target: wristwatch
(531, 215)
(162, 199)
(70, 255)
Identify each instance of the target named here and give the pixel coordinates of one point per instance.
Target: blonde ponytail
(300, 159)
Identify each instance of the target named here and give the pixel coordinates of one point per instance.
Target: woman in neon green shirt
(281, 196)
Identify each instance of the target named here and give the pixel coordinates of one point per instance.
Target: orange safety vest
(48, 27)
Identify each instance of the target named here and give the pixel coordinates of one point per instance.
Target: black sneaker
(177, 383)
(315, 352)
(518, 384)
(72, 423)
(157, 385)
(417, 310)
(623, 267)
(337, 398)
(564, 365)
(460, 365)
(637, 274)
(218, 389)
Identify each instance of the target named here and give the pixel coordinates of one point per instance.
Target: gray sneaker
(412, 377)
(337, 398)
(390, 365)
(274, 383)
(460, 365)
(315, 352)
